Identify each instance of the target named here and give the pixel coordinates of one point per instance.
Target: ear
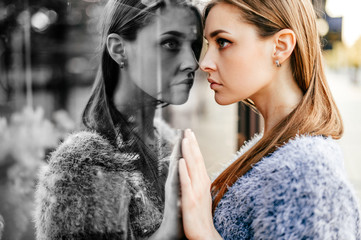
(284, 44)
(115, 46)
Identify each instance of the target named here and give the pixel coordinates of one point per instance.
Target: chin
(178, 100)
(223, 101)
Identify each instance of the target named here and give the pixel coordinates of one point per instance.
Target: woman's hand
(171, 227)
(196, 198)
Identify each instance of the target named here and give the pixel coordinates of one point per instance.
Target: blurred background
(48, 60)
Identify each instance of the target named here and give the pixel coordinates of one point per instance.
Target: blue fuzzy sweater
(298, 192)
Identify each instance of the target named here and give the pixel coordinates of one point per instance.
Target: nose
(189, 60)
(207, 64)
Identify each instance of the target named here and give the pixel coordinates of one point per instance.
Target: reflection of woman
(290, 182)
(108, 182)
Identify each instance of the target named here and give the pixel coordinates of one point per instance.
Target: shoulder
(88, 142)
(79, 188)
(82, 158)
(88, 148)
(302, 186)
(306, 163)
(305, 153)
(316, 148)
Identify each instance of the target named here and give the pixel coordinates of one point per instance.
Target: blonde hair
(317, 113)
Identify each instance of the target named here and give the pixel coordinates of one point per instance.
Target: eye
(223, 43)
(171, 44)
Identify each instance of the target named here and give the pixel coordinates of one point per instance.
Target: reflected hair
(126, 18)
(317, 113)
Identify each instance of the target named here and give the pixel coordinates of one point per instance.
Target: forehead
(172, 16)
(222, 16)
(178, 19)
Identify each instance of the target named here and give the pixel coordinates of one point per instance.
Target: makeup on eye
(217, 38)
(171, 44)
(223, 43)
(172, 40)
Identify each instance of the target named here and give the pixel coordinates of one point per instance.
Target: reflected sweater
(91, 190)
(300, 191)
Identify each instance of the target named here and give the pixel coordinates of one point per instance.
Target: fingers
(195, 150)
(191, 136)
(194, 159)
(196, 205)
(189, 158)
(185, 183)
(172, 184)
(172, 195)
(173, 162)
(176, 153)
(172, 179)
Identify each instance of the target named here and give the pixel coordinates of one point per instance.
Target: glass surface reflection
(108, 181)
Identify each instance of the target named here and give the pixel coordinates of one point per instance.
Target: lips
(214, 85)
(188, 81)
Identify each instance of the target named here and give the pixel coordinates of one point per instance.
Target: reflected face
(161, 61)
(238, 61)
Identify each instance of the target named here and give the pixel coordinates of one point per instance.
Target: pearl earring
(121, 65)
(278, 64)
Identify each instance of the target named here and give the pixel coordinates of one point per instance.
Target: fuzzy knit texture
(298, 192)
(90, 190)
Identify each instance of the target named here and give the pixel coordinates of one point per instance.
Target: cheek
(169, 65)
(244, 72)
(170, 73)
(142, 68)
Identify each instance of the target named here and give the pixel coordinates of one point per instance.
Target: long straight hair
(317, 113)
(126, 18)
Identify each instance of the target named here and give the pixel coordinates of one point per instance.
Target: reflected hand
(172, 226)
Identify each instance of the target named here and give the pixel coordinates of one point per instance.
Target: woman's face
(238, 62)
(161, 61)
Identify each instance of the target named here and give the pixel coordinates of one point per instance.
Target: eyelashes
(223, 43)
(175, 45)
(171, 44)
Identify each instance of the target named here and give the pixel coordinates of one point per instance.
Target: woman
(289, 182)
(107, 182)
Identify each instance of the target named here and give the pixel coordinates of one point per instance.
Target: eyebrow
(216, 32)
(175, 33)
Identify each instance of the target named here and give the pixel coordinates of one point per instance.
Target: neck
(137, 106)
(278, 99)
